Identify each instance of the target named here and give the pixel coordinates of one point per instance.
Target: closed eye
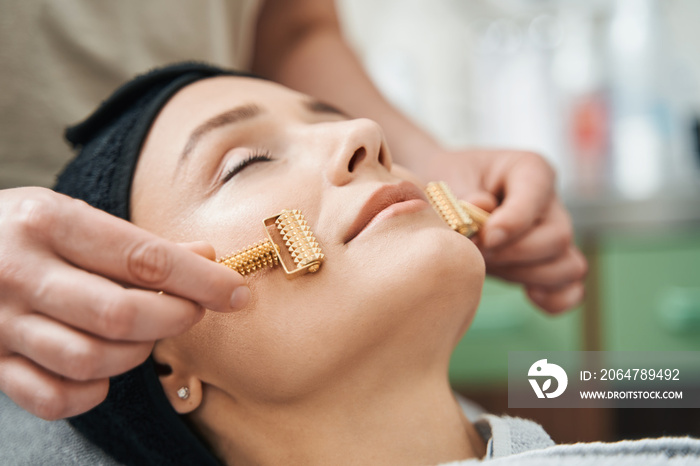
(264, 156)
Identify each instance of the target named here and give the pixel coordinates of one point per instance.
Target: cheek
(233, 219)
(287, 342)
(281, 344)
(227, 225)
(298, 334)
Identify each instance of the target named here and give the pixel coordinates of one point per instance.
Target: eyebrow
(317, 106)
(244, 113)
(236, 115)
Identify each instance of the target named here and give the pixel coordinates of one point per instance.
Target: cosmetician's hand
(529, 237)
(79, 298)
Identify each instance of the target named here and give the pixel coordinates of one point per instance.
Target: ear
(174, 375)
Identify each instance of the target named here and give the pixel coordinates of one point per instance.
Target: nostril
(381, 156)
(356, 158)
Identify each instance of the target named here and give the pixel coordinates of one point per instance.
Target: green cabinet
(650, 292)
(648, 300)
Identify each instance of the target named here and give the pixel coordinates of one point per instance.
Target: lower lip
(400, 208)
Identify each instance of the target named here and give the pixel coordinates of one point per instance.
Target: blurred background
(609, 92)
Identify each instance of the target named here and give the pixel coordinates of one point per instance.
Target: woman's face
(227, 152)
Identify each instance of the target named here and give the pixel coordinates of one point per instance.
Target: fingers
(555, 285)
(528, 187)
(96, 241)
(69, 352)
(66, 324)
(559, 299)
(46, 395)
(101, 307)
(483, 200)
(545, 241)
(568, 268)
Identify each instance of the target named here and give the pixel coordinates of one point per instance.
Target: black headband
(135, 424)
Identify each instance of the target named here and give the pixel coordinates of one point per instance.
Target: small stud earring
(183, 393)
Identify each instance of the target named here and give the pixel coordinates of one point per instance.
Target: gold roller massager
(297, 236)
(305, 251)
(463, 217)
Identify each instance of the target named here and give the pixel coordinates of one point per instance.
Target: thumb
(528, 190)
(486, 201)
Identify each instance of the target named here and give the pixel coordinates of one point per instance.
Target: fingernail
(240, 297)
(494, 238)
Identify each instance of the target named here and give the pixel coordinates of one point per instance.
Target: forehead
(208, 97)
(202, 100)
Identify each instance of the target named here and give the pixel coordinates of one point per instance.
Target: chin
(454, 270)
(432, 291)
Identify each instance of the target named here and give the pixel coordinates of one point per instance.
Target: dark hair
(135, 424)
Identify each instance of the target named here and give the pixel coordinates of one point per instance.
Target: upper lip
(382, 198)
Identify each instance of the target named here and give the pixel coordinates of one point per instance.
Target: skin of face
(387, 307)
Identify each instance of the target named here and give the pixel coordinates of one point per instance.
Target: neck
(420, 423)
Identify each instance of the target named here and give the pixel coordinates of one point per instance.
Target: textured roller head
(298, 238)
(259, 255)
(445, 204)
(461, 216)
(478, 215)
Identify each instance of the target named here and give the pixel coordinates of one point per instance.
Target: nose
(360, 147)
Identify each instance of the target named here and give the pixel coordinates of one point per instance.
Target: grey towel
(513, 441)
(28, 440)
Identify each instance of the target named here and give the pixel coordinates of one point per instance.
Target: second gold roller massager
(294, 231)
(463, 217)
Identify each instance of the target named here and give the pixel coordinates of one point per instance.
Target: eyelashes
(254, 157)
